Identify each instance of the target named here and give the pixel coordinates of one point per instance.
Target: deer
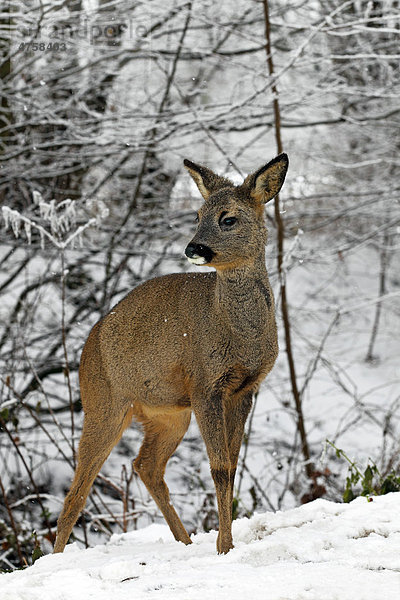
(198, 342)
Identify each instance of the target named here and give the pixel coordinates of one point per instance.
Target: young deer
(183, 342)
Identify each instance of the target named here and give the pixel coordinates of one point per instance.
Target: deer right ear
(206, 180)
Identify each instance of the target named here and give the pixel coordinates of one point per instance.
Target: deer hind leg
(162, 435)
(99, 435)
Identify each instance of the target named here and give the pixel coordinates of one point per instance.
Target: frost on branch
(53, 221)
(97, 208)
(27, 227)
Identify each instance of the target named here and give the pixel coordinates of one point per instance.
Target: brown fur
(200, 342)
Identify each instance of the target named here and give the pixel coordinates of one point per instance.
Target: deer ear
(266, 183)
(206, 180)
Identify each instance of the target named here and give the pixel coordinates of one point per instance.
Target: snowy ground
(319, 551)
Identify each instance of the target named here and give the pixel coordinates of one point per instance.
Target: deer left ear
(266, 183)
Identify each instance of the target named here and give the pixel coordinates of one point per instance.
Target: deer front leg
(210, 418)
(236, 415)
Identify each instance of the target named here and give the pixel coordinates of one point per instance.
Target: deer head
(231, 229)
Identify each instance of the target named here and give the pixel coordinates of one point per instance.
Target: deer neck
(244, 297)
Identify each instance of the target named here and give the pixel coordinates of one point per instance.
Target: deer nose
(194, 250)
(198, 254)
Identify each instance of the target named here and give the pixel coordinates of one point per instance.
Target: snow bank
(319, 551)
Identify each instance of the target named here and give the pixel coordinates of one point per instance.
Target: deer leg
(162, 435)
(99, 435)
(235, 417)
(211, 421)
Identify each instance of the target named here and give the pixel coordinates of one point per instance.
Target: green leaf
(368, 476)
(366, 482)
(235, 508)
(390, 484)
(348, 495)
(4, 414)
(354, 476)
(37, 553)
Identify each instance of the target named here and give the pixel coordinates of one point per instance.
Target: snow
(319, 551)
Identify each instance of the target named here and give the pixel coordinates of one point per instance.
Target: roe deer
(183, 342)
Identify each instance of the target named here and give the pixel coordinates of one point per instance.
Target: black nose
(193, 250)
(197, 250)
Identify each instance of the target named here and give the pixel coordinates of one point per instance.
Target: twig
(30, 475)
(246, 445)
(384, 263)
(12, 522)
(280, 242)
(64, 345)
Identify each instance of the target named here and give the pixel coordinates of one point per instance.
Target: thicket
(99, 105)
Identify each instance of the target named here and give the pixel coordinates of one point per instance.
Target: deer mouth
(199, 260)
(197, 254)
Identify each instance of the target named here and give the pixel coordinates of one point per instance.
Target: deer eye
(227, 221)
